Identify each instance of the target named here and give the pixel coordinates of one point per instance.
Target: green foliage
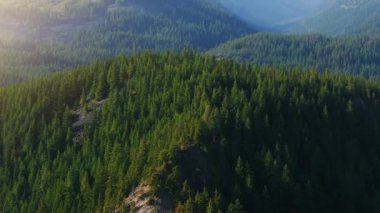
(214, 135)
(353, 55)
(235, 207)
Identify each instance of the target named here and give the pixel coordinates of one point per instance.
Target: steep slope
(346, 17)
(352, 55)
(209, 134)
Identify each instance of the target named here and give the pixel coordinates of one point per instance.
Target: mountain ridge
(345, 18)
(178, 121)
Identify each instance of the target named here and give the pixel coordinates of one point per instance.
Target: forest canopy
(285, 141)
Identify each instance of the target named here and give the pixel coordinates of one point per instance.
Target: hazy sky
(274, 12)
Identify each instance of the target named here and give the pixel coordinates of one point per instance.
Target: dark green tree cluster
(211, 134)
(358, 55)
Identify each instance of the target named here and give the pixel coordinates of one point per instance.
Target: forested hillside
(347, 17)
(352, 55)
(208, 134)
(47, 36)
(52, 36)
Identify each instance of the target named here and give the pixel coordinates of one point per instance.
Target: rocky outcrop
(83, 116)
(142, 200)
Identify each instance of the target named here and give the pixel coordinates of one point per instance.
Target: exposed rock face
(85, 115)
(141, 200)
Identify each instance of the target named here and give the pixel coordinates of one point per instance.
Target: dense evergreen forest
(359, 55)
(210, 134)
(260, 122)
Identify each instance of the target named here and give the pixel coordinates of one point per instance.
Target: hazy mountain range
(271, 13)
(44, 19)
(344, 17)
(99, 29)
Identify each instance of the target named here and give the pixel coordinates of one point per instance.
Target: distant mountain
(149, 24)
(353, 55)
(168, 21)
(345, 18)
(54, 35)
(275, 14)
